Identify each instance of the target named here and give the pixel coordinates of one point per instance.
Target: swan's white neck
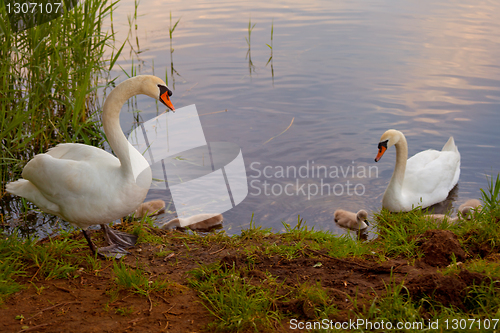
(111, 120)
(396, 183)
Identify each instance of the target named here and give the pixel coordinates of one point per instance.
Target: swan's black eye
(164, 89)
(382, 144)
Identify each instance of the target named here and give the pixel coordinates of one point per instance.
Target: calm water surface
(344, 72)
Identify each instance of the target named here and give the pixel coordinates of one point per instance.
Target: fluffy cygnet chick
(195, 222)
(465, 211)
(441, 218)
(356, 221)
(468, 208)
(153, 207)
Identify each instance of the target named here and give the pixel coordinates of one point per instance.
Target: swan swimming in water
(422, 180)
(85, 185)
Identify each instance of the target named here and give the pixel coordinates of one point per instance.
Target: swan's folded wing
(77, 152)
(60, 178)
(24, 188)
(53, 176)
(431, 175)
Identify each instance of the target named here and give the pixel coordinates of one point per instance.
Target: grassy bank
(48, 80)
(416, 272)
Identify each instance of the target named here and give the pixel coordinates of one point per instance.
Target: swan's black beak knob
(165, 94)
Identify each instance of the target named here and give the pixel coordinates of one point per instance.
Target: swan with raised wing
(85, 185)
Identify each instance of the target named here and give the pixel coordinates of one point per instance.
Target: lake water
(342, 73)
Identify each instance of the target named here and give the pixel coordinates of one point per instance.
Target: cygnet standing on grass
(470, 207)
(465, 211)
(356, 221)
(153, 207)
(195, 222)
(441, 217)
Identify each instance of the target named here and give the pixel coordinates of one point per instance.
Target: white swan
(85, 185)
(356, 221)
(149, 208)
(425, 179)
(195, 222)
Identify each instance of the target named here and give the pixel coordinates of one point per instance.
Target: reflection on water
(270, 60)
(345, 71)
(251, 67)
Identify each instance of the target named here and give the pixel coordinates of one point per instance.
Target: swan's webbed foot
(113, 251)
(118, 243)
(120, 238)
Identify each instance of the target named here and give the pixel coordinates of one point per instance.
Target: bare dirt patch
(439, 247)
(89, 301)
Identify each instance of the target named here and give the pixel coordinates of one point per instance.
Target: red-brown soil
(85, 304)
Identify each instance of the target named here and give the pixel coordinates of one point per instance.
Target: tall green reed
(251, 66)
(491, 196)
(270, 60)
(48, 80)
(171, 30)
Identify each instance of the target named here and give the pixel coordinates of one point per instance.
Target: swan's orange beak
(165, 99)
(382, 147)
(381, 152)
